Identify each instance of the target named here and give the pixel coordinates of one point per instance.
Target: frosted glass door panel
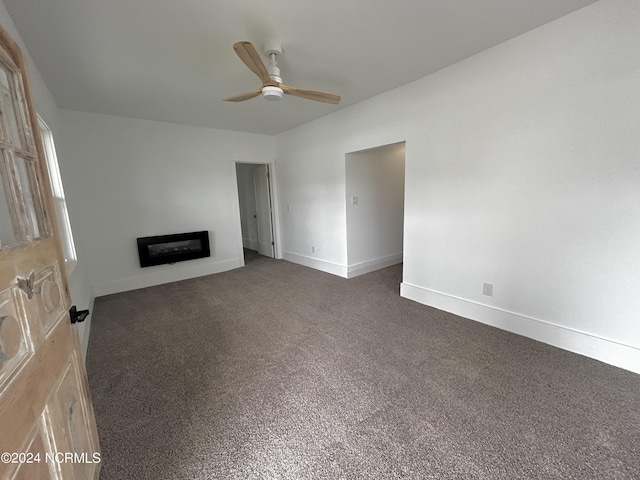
(9, 111)
(7, 233)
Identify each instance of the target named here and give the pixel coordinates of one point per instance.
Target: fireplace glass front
(173, 248)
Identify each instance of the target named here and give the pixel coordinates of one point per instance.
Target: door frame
(374, 262)
(275, 206)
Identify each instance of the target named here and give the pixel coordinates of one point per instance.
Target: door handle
(77, 315)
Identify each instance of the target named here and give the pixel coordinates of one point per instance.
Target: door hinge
(273, 243)
(27, 285)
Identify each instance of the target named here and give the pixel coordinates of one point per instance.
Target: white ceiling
(173, 61)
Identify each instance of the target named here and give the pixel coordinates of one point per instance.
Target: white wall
(132, 178)
(247, 198)
(375, 222)
(521, 170)
(45, 105)
(81, 294)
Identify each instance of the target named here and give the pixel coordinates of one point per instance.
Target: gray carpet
(277, 371)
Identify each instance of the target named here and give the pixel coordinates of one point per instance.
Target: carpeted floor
(277, 371)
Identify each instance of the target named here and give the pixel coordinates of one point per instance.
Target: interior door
(47, 426)
(263, 210)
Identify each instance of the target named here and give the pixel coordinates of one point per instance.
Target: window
(66, 236)
(23, 216)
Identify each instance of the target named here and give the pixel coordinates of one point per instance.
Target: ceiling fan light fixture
(272, 93)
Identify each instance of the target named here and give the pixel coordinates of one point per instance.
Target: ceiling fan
(272, 87)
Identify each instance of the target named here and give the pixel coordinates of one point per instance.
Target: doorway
(255, 198)
(375, 208)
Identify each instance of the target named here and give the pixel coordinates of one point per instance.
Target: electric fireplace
(173, 248)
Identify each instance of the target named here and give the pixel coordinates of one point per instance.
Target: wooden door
(263, 210)
(47, 427)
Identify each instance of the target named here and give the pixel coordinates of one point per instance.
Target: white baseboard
(322, 265)
(372, 265)
(164, 274)
(605, 350)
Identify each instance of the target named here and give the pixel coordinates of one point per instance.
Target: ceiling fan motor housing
(272, 50)
(272, 93)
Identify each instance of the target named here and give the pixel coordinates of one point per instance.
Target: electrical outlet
(487, 289)
(354, 200)
(313, 249)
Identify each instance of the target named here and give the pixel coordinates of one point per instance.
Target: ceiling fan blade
(316, 95)
(244, 96)
(251, 58)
